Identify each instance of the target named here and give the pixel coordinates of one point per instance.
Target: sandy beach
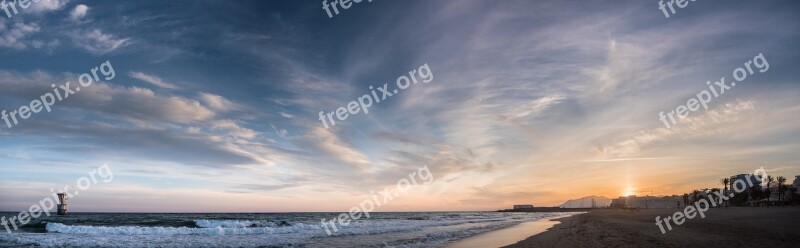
(733, 227)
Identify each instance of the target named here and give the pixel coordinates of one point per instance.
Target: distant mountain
(586, 202)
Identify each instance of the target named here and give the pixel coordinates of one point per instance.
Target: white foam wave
(432, 230)
(137, 230)
(233, 223)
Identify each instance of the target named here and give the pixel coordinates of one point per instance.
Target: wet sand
(733, 227)
(507, 236)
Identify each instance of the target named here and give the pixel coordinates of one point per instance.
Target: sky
(214, 105)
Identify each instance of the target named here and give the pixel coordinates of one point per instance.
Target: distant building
(587, 202)
(518, 207)
(619, 202)
(647, 202)
(796, 182)
(704, 193)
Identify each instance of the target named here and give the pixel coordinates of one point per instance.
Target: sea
(417, 229)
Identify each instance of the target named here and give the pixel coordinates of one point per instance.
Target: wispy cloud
(713, 123)
(152, 80)
(133, 102)
(235, 129)
(287, 115)
(218, 102)
(48, 5)
(14, 34)
(98, 42)
(330, 144)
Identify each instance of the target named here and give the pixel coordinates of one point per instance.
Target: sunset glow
(526, 102)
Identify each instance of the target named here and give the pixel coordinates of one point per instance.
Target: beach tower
(62, 203)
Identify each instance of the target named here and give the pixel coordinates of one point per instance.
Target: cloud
(79, 12)
(502, 196)
(143, 103)
(286, 115)
(144, 127)
(42, 6)
(269, 187)
(290, 63)
(144, 144)
(152, 80)
(443, 160)
(97, 42)
(49, 46)
(129, 102)
(535, 106)
(326, 142)
(12, 35)
(218, 102)
(280, 132)
(234, 129)
(401, 138)
(715, 122)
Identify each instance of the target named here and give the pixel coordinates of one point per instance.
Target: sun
(629, 191)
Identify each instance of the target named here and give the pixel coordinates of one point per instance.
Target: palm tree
(755, 194)
(686, 200)
(785, 190)
(781, 188)
(730, 182)
(768, 191)
(724, 183)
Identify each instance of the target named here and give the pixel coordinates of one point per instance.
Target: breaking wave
(239, 223)
(216, 230)
(410, 230)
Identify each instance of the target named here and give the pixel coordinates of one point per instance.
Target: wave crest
(238, 223)
(137, 230)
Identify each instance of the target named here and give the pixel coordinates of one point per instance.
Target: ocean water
(258, 230)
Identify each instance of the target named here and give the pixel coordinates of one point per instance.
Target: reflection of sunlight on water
(508, 236)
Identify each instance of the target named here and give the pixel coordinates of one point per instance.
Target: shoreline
(509, 235)
(733, 227)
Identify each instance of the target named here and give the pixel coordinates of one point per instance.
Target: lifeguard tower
(62, 203)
